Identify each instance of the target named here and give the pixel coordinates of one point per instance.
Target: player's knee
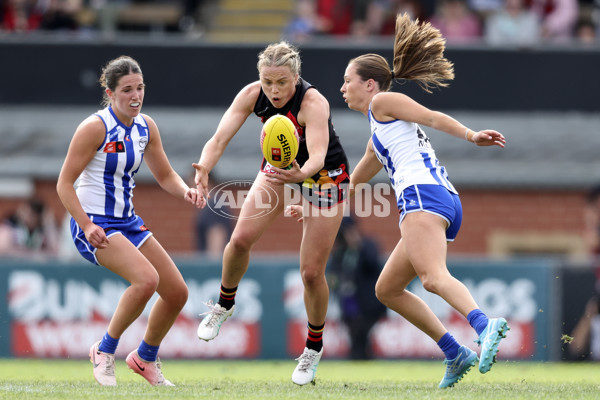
(146, 286)
(431, 283)
(179, 296)
(382, 293)
(240, 243)
(311, 277)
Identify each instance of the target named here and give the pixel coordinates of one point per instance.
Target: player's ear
(371, 84)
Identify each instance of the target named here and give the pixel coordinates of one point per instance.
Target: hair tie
(393, 77)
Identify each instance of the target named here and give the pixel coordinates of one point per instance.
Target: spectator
(485, 8)
(192, 20)
(305, 23)
(456, 22)
(66, 252)
(335, 15)
(60, 14)
(558, 18)
(586, 334)
(585, 32)
(20, 16)
(213, 227)
(381, 15)
(514, 24)
(359, 26)
(591, 223)
(353, 269)
(30, 231)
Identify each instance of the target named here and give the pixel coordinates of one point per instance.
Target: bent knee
(178, 296)
(240, 243)
(432, 283)
(389, 294)
(382, 293)
(147, 286)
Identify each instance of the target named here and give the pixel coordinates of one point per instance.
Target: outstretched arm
(387, 106)
(231, 122)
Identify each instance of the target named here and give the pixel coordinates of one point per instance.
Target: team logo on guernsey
(143, 143)
(114, 147)
(335, 172)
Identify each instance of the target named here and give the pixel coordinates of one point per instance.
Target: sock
(478, 320)
(449, 346)
(108, 344)
(227, 297)
(147, 353)
(314, 340)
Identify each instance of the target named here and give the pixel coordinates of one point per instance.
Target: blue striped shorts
(132, 228)
(433, 199)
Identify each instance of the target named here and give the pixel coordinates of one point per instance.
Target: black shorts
(328, 190)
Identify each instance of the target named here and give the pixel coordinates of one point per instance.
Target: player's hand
(201, 180)
(294, 211)
(488, 137)
(280, 176)
(192, 195)
(96, 236)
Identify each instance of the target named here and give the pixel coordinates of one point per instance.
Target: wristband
(467, 135)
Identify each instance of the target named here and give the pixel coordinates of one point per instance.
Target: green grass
(232, 380)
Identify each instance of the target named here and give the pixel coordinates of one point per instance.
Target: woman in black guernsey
(327, 187)
(320, 170)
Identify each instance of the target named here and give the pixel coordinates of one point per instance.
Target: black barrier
(210, 75)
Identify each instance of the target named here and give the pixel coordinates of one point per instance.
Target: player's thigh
(125, 260)
(424, 236)
(261, 207)
(319, 231)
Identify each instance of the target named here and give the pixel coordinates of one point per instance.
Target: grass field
(232, 380)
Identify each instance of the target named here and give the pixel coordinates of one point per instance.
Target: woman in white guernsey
(96, 187)
(429, 206)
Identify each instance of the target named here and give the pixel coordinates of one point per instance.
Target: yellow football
(279, 141)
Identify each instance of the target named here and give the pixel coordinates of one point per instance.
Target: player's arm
(388, 106)
(366, 169)
(231, 122)
(314, 115)
(88, 137)
(163, 172)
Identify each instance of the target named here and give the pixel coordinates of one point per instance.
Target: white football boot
(306, 370)
(210, 325)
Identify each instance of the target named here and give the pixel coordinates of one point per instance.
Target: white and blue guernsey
(406, 154)
(105, 187)
(419, 181)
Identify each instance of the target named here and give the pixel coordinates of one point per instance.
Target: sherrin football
(279, 141)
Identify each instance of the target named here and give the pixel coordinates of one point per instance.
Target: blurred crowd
(92, 15)
(520, 22)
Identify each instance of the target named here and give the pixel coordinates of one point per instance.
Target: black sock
(227, 297)
(314, 340)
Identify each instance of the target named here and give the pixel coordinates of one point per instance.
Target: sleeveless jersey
(105, 187)
(406, 154)
(336, 157)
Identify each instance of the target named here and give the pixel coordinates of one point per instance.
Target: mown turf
(370, 380)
